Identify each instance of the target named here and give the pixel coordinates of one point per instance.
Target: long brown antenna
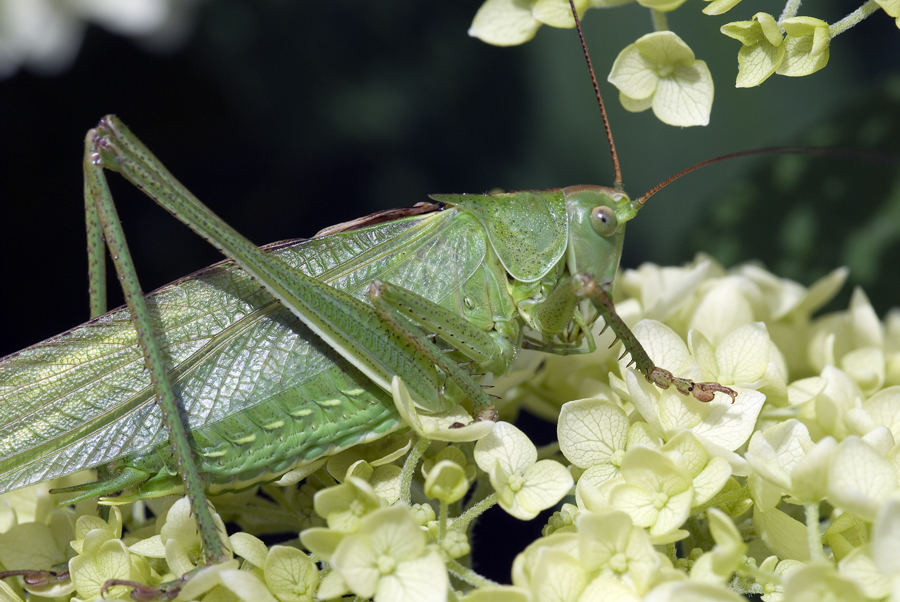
(609, 137)
(774, 150)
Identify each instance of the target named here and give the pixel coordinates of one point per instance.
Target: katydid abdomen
(260, 391)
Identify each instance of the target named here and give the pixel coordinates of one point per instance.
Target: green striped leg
(600, 295)
(392, 301)
(101, 212)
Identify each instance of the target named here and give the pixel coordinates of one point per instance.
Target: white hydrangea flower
(593, 435)
(610, 543)
(655, 492)
(513, 22)
(785, 456)
(527, 563)
(498, 593)
(853, 340)
(664, 290)
(720, 424)
(717, 565)
(344, 506)
(446, 481)
(557, 575)
(861, 568)
(826, 403)
(781, 533)
(695, 591)
(785, 299)
(181, 540)
(886, 543)
(708, 473)
(723, 305)
(860, 479)
(524, 485)
(608, 559)
(388, 559)
(659, 71)
(814, 582)
(892, 347)
(881, 409)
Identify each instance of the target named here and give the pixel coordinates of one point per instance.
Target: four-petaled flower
(524, 484)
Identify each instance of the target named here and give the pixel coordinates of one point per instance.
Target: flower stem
(867, 8)
(671, 551)
(790, 10)
(442, 520)
(409, 468)
(660, 21)
(756, 573)
(813, 539)
(462, 521)
(468, 575)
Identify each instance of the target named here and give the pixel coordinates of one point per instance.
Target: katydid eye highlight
(603, 220)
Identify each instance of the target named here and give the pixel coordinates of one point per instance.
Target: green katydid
(285, 354)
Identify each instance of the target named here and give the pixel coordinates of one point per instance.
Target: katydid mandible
(285, 354)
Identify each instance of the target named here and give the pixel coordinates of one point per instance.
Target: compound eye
(603, 220)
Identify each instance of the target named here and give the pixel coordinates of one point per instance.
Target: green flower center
(664, 70)
(386, 564)
(660, 500)
(357, 508)
(516, 482)
(619, 563)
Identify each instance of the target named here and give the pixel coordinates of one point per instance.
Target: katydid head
(597, 217)
(589, 242)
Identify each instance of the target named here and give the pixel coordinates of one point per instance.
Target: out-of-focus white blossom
(44, 35)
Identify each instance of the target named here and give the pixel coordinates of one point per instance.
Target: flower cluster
(791, 492)
(659, 70)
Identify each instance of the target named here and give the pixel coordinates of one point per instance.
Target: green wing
(246, 370)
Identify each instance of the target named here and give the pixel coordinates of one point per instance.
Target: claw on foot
(707, 391)
(704, 392)
(489, 413)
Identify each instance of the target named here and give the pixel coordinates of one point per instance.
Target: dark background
(288, 116)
